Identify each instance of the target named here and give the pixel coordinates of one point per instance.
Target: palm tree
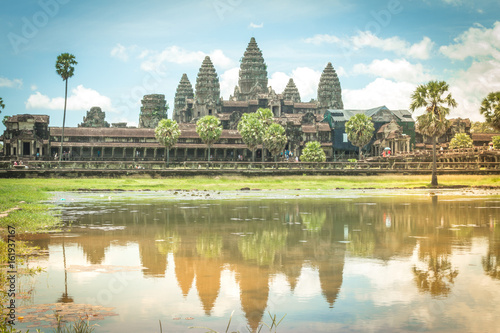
(490, 109)
(167, 133)
(2, 106)
(64, 67)
(359, 130)
(436, 100)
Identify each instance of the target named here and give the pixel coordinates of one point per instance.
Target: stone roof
(483, 137)
(38, 118)
(324, 127)
(329, 91)
(305, 105)
(308, 128)
(188, 131)
(235, 103)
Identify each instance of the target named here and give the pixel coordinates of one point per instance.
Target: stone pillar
(124, 152)
(155, 153)
(134, 153)
(91, 152)
(113, 152)
(145, 151)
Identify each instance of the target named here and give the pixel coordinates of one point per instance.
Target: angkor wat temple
(29, 135)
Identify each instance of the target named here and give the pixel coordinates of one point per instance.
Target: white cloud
(256, 26)
(306, 79)
(477, 42)
(33, 87)
(228, 80)
(320, 39)
(471, 86)
(121, 52)
(394, 95)
(7, 83)
(156, 61)
(420, 50)
(81, 98)
(399, 70)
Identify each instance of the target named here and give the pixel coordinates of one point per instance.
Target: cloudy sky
(125, 49)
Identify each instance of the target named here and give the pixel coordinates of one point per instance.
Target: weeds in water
(274, 325)
(79, 326)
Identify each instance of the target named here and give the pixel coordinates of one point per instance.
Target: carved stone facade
(154, 108)
(26, 135)
(95, 118)
(207, 101)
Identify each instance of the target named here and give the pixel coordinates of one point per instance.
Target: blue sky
(381, 50)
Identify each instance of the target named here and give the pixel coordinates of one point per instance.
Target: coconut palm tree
(65, 68)
(436, 100)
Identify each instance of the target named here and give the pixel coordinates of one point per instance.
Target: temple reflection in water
(257, 240)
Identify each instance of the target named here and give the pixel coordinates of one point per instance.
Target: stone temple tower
(291, 92)
(253, 74)
(207, 94)
(154, 108)
(329, 91)
(182, 94)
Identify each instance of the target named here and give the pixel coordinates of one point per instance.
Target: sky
(125, 49)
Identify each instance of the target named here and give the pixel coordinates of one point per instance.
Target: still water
(344, 261)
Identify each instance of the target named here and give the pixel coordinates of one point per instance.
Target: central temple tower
(253, 74)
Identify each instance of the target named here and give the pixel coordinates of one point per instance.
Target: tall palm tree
(2, 106)
(64, 67)
(436, 100)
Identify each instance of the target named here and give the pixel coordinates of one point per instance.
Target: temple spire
(184, 92)
(329, 91)
(291, 92)
(207, 83)
(253, 73)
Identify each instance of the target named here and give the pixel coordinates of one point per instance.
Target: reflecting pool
(346, 261)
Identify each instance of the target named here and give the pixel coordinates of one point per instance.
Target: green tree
(209, 129)
(275, 139)
(490, 109)
(481, 127)
(251, 131)
(313, 152)
(2, 106)
(461, 140)
(266, 117)
(167, 133)
(65, 68)
(359, 130)
(436, 100)
(496, 142)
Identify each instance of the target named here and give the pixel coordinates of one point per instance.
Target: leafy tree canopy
(65, 65)
(461, 140)
(275, 138)
(209, 129)
(359, 130)
(490, 109)
(313, 152)
(167, 132)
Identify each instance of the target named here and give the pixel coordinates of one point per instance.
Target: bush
(461, 140)
(496, 142)
(313, 153)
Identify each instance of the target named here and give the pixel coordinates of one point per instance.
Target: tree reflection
(167, 242)
(314, 221)
(209, 245)
(438, 276)
(262, 246)
(491, 262)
